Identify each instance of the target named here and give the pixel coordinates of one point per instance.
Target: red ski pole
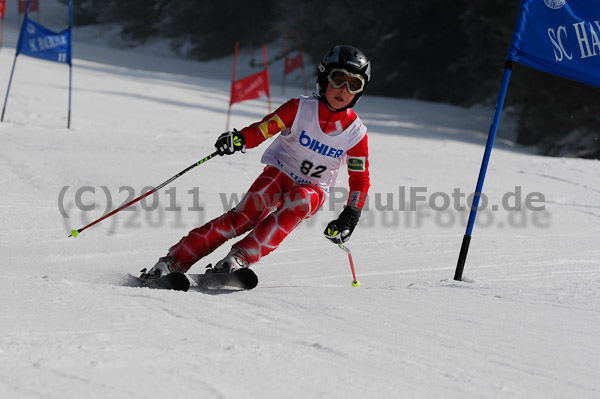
(355, 282)
(75, 233)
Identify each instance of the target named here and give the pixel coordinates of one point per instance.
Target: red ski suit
(275, 204)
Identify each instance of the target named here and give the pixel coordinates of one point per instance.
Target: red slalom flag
(293, 63)
(250, 87)
(2, 8)
(290, 64)
(35, 6)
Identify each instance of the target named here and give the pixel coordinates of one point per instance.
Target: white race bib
(308, 155)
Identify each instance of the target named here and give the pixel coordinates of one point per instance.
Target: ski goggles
(339, 77)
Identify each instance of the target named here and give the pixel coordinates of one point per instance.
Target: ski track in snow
(524, 323)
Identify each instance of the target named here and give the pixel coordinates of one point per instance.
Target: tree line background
(450, 51)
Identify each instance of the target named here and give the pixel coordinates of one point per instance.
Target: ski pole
(75, 233)
(355, 282)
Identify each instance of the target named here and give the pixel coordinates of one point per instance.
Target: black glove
(230, 142)
(340, 230)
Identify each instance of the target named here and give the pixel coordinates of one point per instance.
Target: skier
(316, 136)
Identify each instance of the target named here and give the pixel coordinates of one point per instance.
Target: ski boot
(165, 265)
(234, 260)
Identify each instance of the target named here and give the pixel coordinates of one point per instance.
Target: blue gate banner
(561, 37)
(37, 41)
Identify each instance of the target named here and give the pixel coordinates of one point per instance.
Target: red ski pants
(272, 208)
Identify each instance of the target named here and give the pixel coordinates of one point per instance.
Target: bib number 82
(309, 169)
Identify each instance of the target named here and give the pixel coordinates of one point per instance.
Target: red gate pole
(235, 54)
(287, 31)
(267, 69)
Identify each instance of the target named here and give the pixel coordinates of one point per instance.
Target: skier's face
(338, 98)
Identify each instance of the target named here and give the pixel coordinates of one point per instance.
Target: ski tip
(250, 277)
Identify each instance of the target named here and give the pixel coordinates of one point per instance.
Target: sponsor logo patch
(356, 164)
(271, 127)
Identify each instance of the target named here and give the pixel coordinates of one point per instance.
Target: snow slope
(524, 324)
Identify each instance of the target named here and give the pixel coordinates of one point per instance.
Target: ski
(172, 281)
(241, 279)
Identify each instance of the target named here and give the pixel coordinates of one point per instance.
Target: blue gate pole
(8, 88)
(15, 61)
(70, 84)
(70, 50)
(486, 159)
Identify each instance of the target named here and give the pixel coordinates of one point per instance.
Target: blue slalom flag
(561, 37)
(38, 41)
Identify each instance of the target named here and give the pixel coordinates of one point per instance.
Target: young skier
(316, 136)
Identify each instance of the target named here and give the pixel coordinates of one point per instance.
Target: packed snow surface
(523, 323)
